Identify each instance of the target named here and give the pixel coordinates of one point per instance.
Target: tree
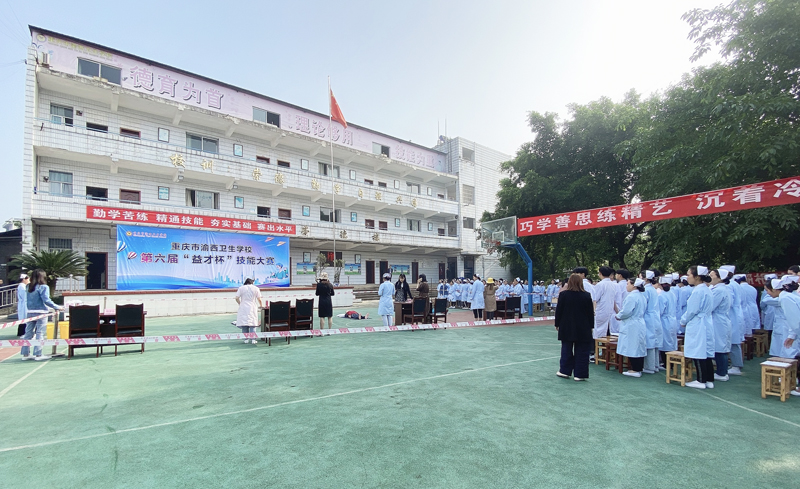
(55, 264)
(337, 270)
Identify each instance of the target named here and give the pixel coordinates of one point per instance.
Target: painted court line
(271, 406)
(753, 410)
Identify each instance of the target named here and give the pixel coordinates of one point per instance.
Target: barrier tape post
(55, 353)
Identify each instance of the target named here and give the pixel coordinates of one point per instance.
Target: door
(414, 272)
(384, 269)
(452, 268)
(98, 271)
(370, 272)
(442, 271)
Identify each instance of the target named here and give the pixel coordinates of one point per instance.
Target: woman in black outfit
(402, 292)
(325, 307)
(574, 323)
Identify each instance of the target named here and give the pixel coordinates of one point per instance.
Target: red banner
(758, 279)
(186, 220)
(765, 194)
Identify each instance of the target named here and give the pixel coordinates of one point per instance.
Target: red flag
(336, 112)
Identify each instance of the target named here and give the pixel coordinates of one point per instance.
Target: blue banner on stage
(161, 258)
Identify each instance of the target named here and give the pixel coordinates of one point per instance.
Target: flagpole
(333, 190)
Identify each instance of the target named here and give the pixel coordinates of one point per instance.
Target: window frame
(369, 223)
(284, 164)
(238, 202)
(238, 150)
(337, 214)
(62, 184)
(260, 208)
(160, 197)
(191, 194)
(63, 119)
(287, 214)
(306, 211)
(97, 127)
(130, 133)
(203, 140)
(414, 223)
(128, 201)
(50, 241)
(354, 217)
(100, 71)
(163, 135)
(95, 197)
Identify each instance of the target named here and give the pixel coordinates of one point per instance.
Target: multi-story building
(112, 138)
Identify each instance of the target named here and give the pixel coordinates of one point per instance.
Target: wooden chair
(610, 354)
(304, 314)
(84, 322)
(419, 311)
(778, 380)
(129, 322)
(277, 318)
(760, 340)
(679, 368)
(513, 307)
(502, 309)
(599, 349)
(439, 310)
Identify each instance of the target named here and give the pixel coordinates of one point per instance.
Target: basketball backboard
(497, 233)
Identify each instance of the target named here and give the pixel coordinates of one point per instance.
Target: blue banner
(162, 258)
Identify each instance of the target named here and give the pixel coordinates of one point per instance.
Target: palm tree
(55, 263)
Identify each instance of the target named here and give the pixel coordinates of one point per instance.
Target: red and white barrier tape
(34, 318)
(271, 334)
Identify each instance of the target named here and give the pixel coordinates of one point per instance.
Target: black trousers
(705, 369)
(478, 313)
(636, 363)
(489, 315)
(575, 358)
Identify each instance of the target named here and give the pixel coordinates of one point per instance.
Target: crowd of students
(712, 308)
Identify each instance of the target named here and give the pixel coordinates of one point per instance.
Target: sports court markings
(753, 410)
(18, 381)
(271, 406)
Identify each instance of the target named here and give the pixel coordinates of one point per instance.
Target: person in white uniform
(721, 321)
(652, 319)
(737, 322)
(587, 286)
(697, 320)
(780, 327)
(622, 277)
(22, 303)
(248, 296)
(667, 304)
(750, 305)
(790, 303)
(632, 342)
(685, 292)
(604, 295)
(767, 313)
(386, 300)
(476, 297)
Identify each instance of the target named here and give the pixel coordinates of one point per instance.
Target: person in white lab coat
(685, 292)
(248, 296)
(780, 327)
(632, 342)
(604, 294)
(721, 321)
(476, 297)
(622, 277)
(22, 303)
(767, 313)
(750, 304)
(386, 300)
(652, 320)
(587, 285)
(737, 322)
(697, 320)
(667, 305)
(790, 303)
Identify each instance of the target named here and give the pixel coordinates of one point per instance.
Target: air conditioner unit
(44, 59)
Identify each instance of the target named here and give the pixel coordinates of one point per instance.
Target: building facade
(112, 138)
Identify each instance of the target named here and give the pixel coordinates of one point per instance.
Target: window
(383, 225)
(397, 222)
(430, 191)
(96, 127)
(130, 133)
(262, 159)
(369, 182)
(306, 211)
(413, 187)
(284, 213)
(266, 117)
(200, 143)
(352, 174)
(96, 193)
(130, 196)
(397, 184)
(60, 114)
(306, 257)
(380, 149)
(441, 231)
(467, 194)
(468, 154)
(440, 196)
(238, 150)
(325, 169)
(325, 214)
(262, 211)
(369, 223)
(469, 223)
(202, 199)
(90, 68)
(354, 217)
(163, 193)
(382, 184)
(304, 165)
(60, 183)
(238, 202)
(413, 225)
(163, 135)
(430, 226)
(357, 258)
(284, 164)
(59, 243)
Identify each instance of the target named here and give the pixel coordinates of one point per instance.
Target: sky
(404, 68)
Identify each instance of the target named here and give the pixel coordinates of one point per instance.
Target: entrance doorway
(452, 268)
(370, 272)
(469, 266)
(414, 272)
(384, 265)
(98, 271)
(442, 273)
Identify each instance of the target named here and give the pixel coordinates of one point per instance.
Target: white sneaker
(734, 371)
(709, 385)
(42, 358)
(255, 342)
(27, 357)
(794, 392)
(721, 378)
(695, 384)
(647, 371)
(631, 373)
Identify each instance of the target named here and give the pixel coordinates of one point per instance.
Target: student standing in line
(652, 319)
(38, 300)
(737, 322)
(325, 307)
(22, 303)
(721, 321)
(385, 300)
(750, 305)
(248, 296)
(632, 342)
(574, 323)
(621, 277)
(767, 313)
(780, 330)
(685, 292)
(790, 303)
(476, 297)
(667, 305)
(697, 320)
(587, 285)
(604, 295)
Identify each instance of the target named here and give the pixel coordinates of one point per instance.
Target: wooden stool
(620, 361)
(599, 349)
(679, 368)
(748, 347)
(610, 352)
(792, 361)
(778, 380)
(761, 339)
(680, 342)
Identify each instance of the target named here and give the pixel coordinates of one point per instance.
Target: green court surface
(474, 407)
